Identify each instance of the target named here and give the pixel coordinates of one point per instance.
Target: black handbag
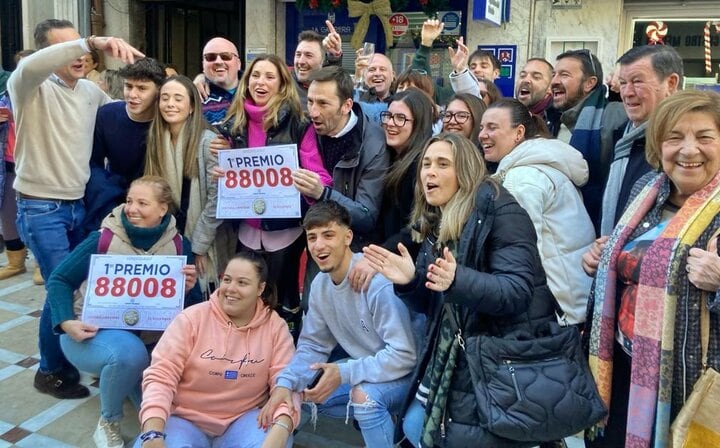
(531, 387)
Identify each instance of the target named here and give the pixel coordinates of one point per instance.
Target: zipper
(443, 434)
(511, 369)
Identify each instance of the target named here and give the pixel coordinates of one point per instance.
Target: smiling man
(221, 67)
(533, 88)
(55, 111)
(373, 328)
(379, 76)
(587, 122)
(121, 127)
(647, 75)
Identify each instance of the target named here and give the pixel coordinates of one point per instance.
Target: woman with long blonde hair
(479, 262)
(178, 150)
(266, 111)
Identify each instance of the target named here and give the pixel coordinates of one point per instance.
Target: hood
(553, 153)
(262, 315)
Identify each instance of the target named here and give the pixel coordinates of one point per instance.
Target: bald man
(379, 76)
(221, 67)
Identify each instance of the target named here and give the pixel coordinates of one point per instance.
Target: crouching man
(373, 328)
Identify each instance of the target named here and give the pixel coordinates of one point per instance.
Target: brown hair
(287, 95)
(269, 295)
(669, 112)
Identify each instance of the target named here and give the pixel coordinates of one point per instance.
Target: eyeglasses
(460, 117)
(397, 119)
(587, 53)
(225, 56)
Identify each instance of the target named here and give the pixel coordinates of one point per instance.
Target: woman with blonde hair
(266, 111)
(178, 150)
(479, 262)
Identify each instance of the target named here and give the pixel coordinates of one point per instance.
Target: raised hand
(431, 30)
(333, 41)
(399, 269)
(459, 58)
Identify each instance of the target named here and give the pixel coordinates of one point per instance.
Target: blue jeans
(413, 423)
(374, 413)
(242, 433)
(51, 229)
(119, 358)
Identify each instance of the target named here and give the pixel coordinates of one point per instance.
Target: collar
(352, 121)
(539, 107)
(56, 79)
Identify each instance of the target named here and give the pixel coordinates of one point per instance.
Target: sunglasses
(587, 54)
(398, 119)
(460, 117)
(225, 56)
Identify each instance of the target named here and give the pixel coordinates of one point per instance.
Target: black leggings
(283, 269)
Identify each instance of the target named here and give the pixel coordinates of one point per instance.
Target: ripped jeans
(372, 405)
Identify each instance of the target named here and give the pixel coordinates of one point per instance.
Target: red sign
(399, 24)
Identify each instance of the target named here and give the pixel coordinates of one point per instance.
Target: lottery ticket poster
(134, 292)
(258, 183)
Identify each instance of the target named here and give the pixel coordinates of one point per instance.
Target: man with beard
(353, 150)
(533, 89)
(121, 127)
(587, 121)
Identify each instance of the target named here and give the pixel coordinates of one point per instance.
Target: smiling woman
(671, 220)
(190, 393)
(266, 111)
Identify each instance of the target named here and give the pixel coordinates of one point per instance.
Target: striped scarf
(658, 291)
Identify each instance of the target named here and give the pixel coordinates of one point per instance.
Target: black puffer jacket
(500, 286)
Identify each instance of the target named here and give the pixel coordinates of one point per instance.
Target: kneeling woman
(215, 366)
(141, 226)
(478, 260)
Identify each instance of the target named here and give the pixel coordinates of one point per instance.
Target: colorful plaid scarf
(658, 290)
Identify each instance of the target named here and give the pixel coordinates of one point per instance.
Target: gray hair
(665, 60)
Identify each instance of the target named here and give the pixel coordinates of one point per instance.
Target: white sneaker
(107, 435)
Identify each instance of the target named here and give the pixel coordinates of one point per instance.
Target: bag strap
(452, 314)
(106, 237)
(177, 239)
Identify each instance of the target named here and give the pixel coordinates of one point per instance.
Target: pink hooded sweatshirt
(210, 372)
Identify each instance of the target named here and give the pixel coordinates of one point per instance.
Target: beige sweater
(54, 124)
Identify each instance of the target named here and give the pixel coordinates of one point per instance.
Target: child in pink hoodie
(216, 365)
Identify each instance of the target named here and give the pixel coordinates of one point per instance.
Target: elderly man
(55, 109)
(647, 75)
(221, 69)
(587, 121)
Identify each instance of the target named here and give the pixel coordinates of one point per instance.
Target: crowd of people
(419, 202)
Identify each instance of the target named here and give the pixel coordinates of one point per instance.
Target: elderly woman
(652, 275)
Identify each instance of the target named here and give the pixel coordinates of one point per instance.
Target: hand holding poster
(258, 183)
(134, 292)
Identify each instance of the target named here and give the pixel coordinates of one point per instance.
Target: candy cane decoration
(706, 38)
(708, 55)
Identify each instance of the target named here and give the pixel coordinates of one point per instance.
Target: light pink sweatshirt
(210, 372)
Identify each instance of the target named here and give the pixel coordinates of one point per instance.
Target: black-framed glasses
(460, 117)
(225, 56)
(397, 119)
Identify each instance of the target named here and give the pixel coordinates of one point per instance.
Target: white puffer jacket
(544, 176)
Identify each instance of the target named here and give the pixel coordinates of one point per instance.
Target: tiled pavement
(34, 420)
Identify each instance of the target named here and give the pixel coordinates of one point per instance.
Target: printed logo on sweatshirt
(231, 374)
(246, 361)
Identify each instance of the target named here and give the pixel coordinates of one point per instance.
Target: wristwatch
(152, 434)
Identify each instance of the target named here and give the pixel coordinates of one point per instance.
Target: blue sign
(489, 11)
(451, 21)
(507, 55)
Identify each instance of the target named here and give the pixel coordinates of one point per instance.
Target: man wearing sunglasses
(587, 122)
(221, 70)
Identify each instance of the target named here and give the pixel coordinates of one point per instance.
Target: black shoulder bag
(531, 387)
